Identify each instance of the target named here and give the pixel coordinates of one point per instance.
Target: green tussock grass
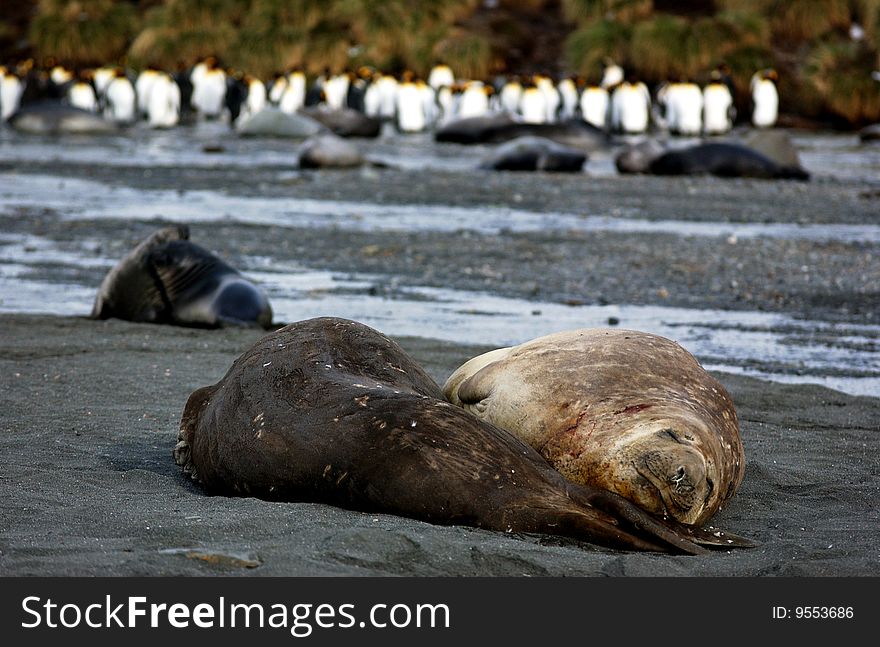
(659, 48)
(808, 19)
(470, 56)
(839, 72)
(83, 32)
(625, 11)
(588, 47)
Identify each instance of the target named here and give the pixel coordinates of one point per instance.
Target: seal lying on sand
(723, 159)
(870, 133)
(627, 411)
(345, 122)
(329, 410)
(168, 279)
(55, 118)
(329, 151)
(534, 154)
(500, 128)
(272, 122)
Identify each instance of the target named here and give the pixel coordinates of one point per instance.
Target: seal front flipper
(681, 536)
(635, 526)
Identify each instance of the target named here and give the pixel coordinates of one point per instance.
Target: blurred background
(824, 51)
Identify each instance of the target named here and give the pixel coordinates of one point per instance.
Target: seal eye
(671, 435)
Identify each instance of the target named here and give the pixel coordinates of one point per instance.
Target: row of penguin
(618, 103)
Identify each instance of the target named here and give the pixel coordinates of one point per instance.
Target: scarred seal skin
(627, 411)
(329, 410)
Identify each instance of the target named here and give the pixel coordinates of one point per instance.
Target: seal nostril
(678, 475)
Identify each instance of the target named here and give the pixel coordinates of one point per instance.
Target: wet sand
(89, 413)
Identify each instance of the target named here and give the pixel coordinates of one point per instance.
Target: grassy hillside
(824, 71)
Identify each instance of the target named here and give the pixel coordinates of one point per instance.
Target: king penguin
(163, 108)
(510, 95)
(11, 90)
(630, 107)
(568, 91)
(594, 106)
(441, 76)
(684, 108)
(209, 90)
(474, 100)
(533, 105)
(142, 87)
(718, 109)
(81, 93)
(765, 98)
(293, 95)
(120, 99)
(410, 105)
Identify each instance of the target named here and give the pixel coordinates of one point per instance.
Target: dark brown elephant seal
(622, 410)
(168, 279)
(329, 410)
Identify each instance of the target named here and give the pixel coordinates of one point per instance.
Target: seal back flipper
(192, 412)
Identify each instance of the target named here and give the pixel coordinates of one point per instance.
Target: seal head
(622, 410)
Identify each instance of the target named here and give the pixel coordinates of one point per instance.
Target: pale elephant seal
(329, 410)
(329, 151)
(272, 122)
(168, 279)
(535, 154)
(774, 144)
(627, 411)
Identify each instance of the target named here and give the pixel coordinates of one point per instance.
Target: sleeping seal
(344, 122)
(627, 411)
(724, 160)
(168, 279)
(500, 128)
(273, 122)
(870, 133)
(534, 154)
(637, 158)
(329, 410)
(55, 118)
(329, 151)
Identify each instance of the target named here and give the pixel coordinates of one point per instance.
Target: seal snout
(678, 472)
(241, 303)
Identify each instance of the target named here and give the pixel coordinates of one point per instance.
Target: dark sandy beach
(89, 410)
(89, 416)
